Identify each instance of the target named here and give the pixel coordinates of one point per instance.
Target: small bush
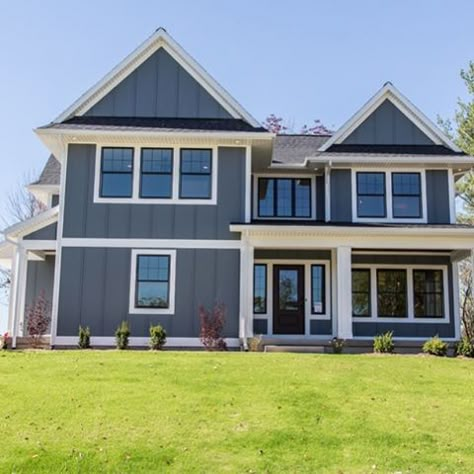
(38, 316)
(122, 335)
(435, 346)
(465, 348)
(383, 343)
(212, 325)
(84, 338)
(4, 342)
(157, 338)
(255, 343)
(337, 345)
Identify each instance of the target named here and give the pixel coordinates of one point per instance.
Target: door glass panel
(288, 290)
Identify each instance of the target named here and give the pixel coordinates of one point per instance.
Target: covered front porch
(304, 285)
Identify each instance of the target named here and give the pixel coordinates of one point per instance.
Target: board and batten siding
(46, 233)
(85, 219)
(159, 87)
(341, 196)
(437, 196)
(95, 291)
(40, 277)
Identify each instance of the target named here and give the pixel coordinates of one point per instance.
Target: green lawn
(108, 411)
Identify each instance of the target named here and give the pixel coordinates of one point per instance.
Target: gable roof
(294, 149)
(391, 93)
(50, 174)
(33, 224)
(159, 39)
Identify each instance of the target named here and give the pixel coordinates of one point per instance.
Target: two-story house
(165, 194)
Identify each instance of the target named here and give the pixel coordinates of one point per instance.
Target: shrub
(122, 335)
(38, 317)
(157, 338)
(4, 341)
(337, 345)
(212, 324)
(84, 338)
(435, 346)
(465, 347)
(383, 343)
(255, 343)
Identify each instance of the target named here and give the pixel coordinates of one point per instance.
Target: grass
(108, 411)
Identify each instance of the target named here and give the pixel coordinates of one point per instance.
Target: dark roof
(225, 125)
(51, 172)
(394, 149)
(295, 148)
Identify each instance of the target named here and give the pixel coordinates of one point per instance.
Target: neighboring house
(166, 194)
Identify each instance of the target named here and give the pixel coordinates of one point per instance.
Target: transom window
(284, 197)
(371, 195)
(260, 289)
(195, 174)
(318, 289)
(361, 293)
(387, 195)
(406, 194)
(428, 293)
(153, 274)
(116, 172)
(156, 180)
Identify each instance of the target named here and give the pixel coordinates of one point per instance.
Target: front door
(288, 299)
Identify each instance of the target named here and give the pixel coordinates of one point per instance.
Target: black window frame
(387, 316)
(420, 204)
(138, 281)
(156, 173)
(210, 173)
(323, 288)
(384, 216)
(264, 265)
(443, 296)
(368, 292)
(293, 197)
(102, 172)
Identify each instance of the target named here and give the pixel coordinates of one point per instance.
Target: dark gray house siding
(159, 87)
(320, 198)
(387, 126)
(46, 233)
(40, 276)
(95, 291)
(341, 196)
(84, 218)
(370, 329)
(437, 196)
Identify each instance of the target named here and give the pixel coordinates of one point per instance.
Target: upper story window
(156, 180)
(284, 197)
(195, 171)
(389, 196)
(168, 175)
(116, 172)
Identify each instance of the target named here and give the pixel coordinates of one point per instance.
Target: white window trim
(389, 197)
(410, 294)
(256, 177)
(175, 199)
(172, 281)
(308, 316)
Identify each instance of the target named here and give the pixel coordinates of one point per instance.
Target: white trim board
(105, 341)
(159, 39)
(391, 93)
(153, 243)
(132, 309)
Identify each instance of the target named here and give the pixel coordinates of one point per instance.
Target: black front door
(288, 299)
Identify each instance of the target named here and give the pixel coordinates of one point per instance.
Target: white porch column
(344, 292)
(13, 291)
(20, 292)
(246, 290)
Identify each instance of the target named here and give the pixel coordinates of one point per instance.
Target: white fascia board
(43, 192)
(35, 223)
(388, 91)
(159, 39)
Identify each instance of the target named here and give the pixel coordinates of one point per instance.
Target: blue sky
(301, 59)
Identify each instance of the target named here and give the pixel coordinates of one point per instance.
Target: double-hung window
(156, 180)
(116, 168)
(284, 197)
(428, 293)
(371, 195)
(195, 174)
(406, 195)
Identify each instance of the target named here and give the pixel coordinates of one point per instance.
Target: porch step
(296, 349)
